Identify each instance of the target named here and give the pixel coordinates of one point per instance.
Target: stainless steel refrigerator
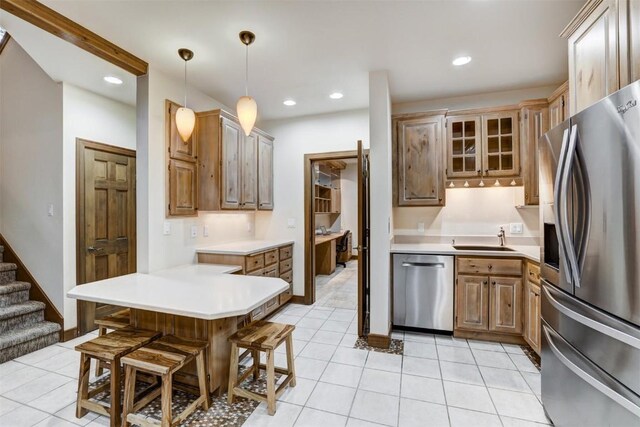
(590, 264)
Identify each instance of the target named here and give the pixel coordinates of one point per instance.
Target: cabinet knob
(493, 283)
(490, 266)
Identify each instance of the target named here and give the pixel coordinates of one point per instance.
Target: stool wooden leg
(271, 383)
(115, 409)
(129, 393)
(99, 369)
(255, 355)
(83, 384)
(167, 417)
(233, 372)
(291, 367)
(202, 380)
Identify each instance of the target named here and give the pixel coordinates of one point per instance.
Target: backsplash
(471, 215)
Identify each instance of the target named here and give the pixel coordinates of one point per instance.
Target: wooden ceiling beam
(59, 25)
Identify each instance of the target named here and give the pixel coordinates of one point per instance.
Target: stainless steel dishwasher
(423, 291)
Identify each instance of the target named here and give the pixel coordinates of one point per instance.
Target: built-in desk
(326, 252)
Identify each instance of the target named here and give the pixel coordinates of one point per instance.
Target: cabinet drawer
(286, 265)
(258, 313)
(259, 272)
(271, 257)
(271, 271)
(533, 273)
(287, 276)
(286, 252)
(510, 267)
(272, 304)
(254, 262)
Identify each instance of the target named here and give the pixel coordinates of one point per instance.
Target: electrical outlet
(515, 228)
(421, 227)
(248, 227)
(205, 231)
(291, 223)
(166, 228)
(194, 231)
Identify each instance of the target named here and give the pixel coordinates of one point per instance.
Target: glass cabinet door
(463, 146)
(500, 148)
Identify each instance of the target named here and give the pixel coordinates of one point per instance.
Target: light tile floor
(339, 290)
(441, 381)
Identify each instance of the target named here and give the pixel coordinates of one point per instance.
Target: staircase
(22, 325)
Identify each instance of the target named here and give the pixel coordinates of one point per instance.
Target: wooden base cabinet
(489, 296)
(532, 315)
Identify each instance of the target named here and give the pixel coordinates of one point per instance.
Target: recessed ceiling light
(336, 95)
(461, 60)
(113, 80)
(289, 102)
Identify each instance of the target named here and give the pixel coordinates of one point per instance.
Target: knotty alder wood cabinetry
(275, 262)
(218, 168)
(559, 105)
(489, 298)
(534, 122)
(604, 50)
(532, 322)
(418, 160)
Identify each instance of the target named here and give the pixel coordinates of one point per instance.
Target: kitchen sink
(482, 248)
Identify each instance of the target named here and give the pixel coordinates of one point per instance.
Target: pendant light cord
(185, 84)
(246, 71)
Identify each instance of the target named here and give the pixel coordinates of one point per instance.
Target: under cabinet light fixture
(496, 184)
(452, 185)
(481, 183)
(466, 183)
(513, 182)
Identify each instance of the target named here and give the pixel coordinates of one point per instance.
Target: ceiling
(64, 62)
(306, 50)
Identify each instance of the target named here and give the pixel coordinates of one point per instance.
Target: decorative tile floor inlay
(395, 347)
(532, 355)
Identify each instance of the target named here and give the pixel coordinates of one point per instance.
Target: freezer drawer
(608, 342)
(423, 291)
(575, 392)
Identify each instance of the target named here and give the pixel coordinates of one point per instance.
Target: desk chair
(342, 247)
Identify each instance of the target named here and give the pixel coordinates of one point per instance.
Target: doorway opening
(105, 220)
(337, 231)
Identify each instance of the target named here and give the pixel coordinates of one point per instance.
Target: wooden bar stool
(163, 357)
(256, 337)
(118, 320)
(109, 349)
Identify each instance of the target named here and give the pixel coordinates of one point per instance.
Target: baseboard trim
(36, 293)
(379, 341)
(490, 336)
(69, 334)
(297, 299)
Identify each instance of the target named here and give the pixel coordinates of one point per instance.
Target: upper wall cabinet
(419, 158)
(232, 144)
(604, 50)
(182, 171)
(265, 172)
(534, 122)
(500, 149)
(559, 105)
(463, 146)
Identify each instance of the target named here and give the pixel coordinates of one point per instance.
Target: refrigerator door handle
(557, 187)
(586, 376)
(589, 322)
(570, 249)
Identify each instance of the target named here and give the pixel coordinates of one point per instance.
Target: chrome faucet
(501, 236)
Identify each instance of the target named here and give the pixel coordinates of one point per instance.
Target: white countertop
(244, 247)
(529, 252)
(197, 290)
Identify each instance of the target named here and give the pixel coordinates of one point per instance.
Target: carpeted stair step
(21, 315)
(18, 342)
(14, 293)
(7, 272)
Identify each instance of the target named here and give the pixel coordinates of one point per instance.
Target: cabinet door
(532, 316)
(420, 157)
(629, 13)
(472, 303)
(249, 172)
(265, 173)
(463, 147)
(556, 111)
(534, 125)
(336, 200)
(500, 145)
(593, 57)
(231, 147)
(178, 149)
(505, 306)
(182, 188)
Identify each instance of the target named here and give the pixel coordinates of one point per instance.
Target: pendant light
(185, 117)
(247, 109)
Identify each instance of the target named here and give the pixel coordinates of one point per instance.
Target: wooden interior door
(106, 220)
(363, 241)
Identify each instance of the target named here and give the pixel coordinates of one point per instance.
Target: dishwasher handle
(423, 264)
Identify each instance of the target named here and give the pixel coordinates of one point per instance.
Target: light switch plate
(515, 228)
(194, 231)
(291, 223)
(166, 228)
(421, 227)
(205, 231)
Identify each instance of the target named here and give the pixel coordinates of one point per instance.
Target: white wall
(349, 201)
(95, 118)
(155, 250)
(293, 139)
(470, 212)
(381, 211)
(31, 167)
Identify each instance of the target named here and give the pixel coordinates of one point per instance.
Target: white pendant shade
(247, 110)
(185, 122)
